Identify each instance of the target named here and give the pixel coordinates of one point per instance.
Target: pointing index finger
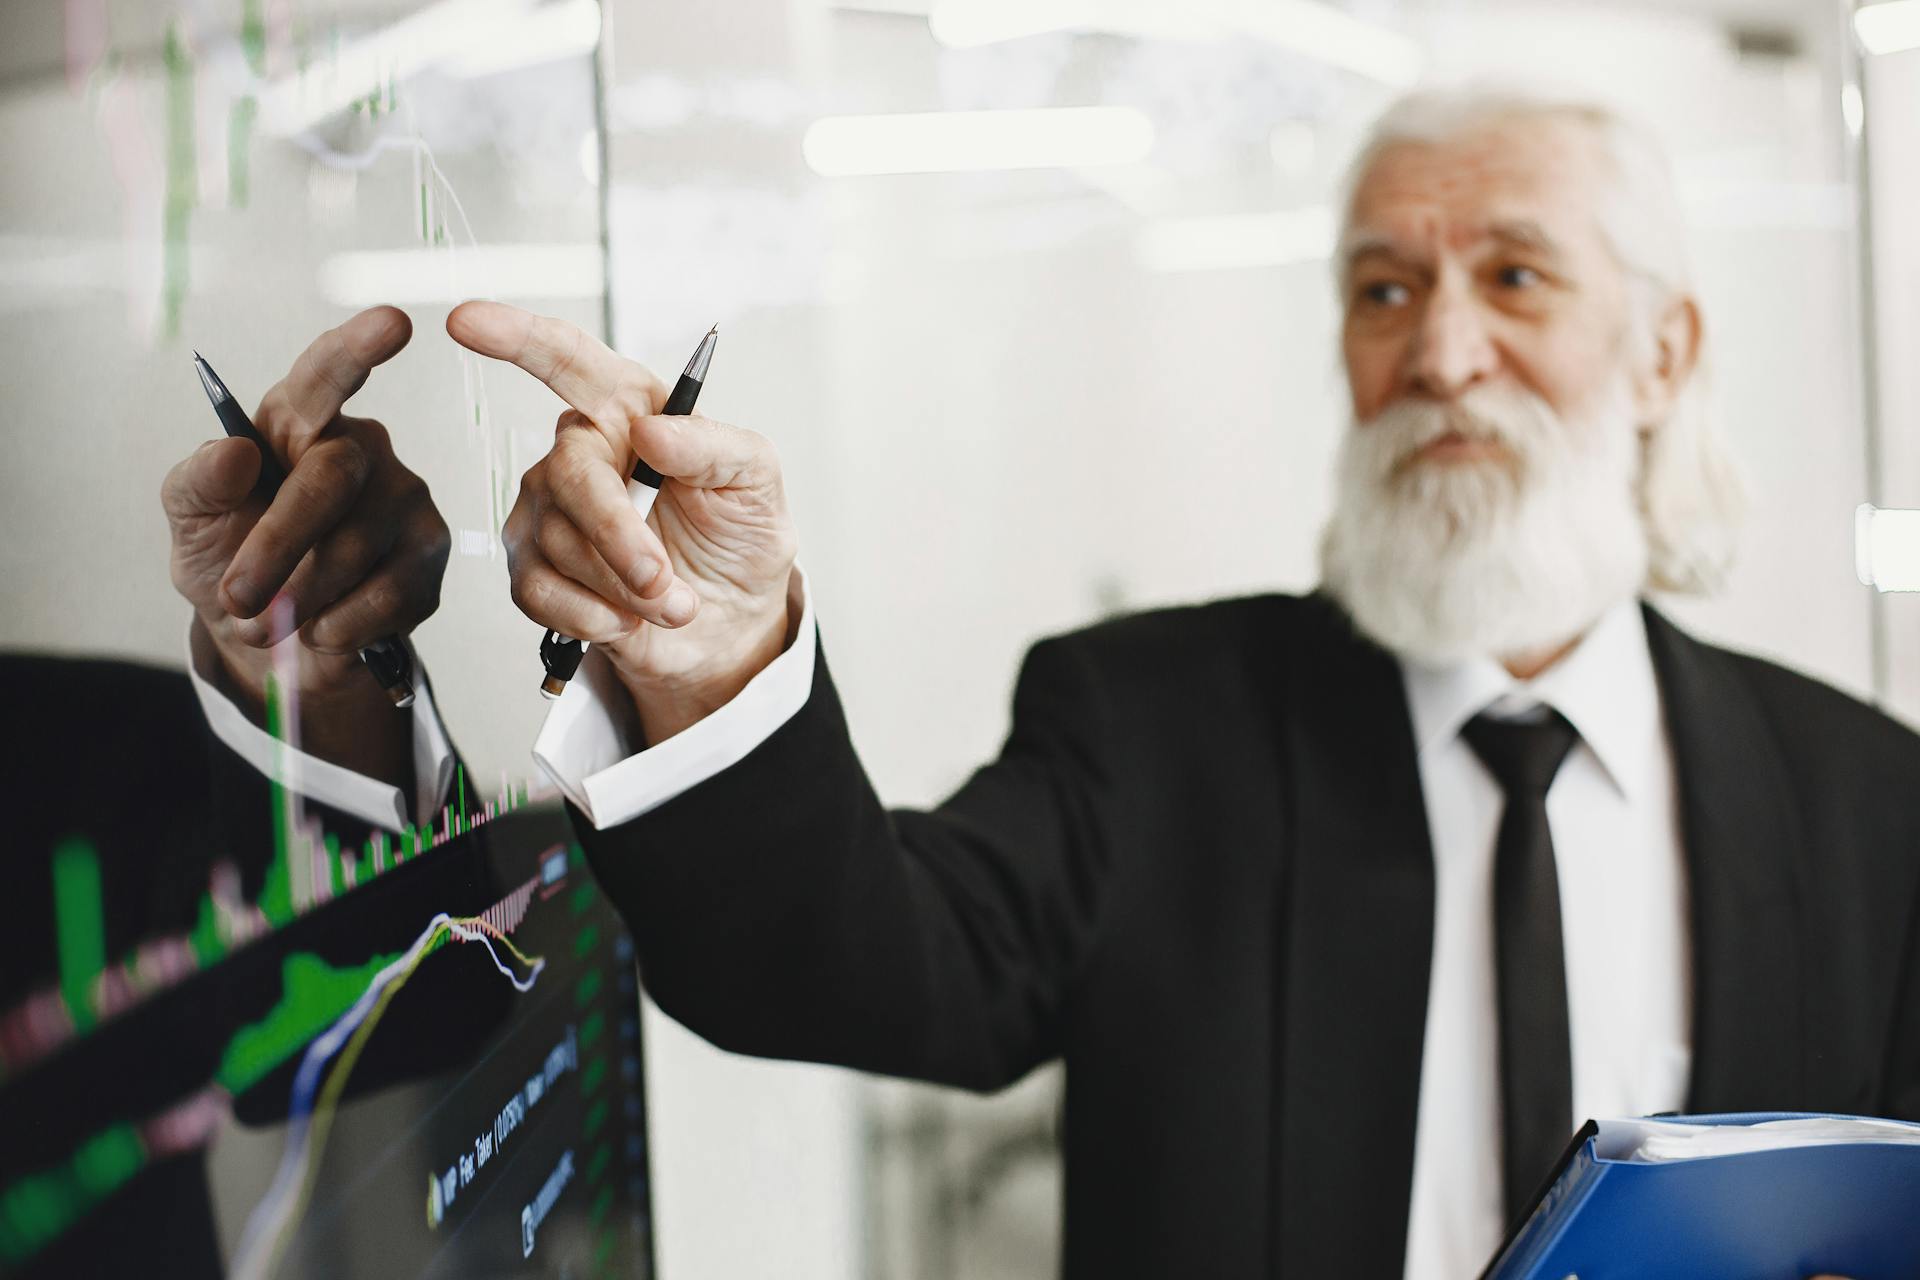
(580, 368)
(337, 363)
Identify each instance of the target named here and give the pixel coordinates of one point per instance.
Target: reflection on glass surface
(292, 991)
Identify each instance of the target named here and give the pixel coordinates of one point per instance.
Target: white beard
(1441, 561)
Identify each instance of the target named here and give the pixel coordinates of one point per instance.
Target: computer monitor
(421, 1057)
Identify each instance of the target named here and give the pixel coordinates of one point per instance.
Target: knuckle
(348, 549)
(531, 593)
(763, 454)
(268, 550)
(409, 490)
(548, 532)
(339, 465)
(384, 600)
(536, 479)
(513, 533)
(559, 355)
(373, 434)
(632, 398)
(322, 635)
(606, 532)
(568, 474)
(354, 455)
(184, 580)
(437, 543)
(275, 416)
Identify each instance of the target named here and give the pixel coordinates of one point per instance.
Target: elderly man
(1342, 910)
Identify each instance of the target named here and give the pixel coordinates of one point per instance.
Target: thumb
(703, 453)
(210, 481)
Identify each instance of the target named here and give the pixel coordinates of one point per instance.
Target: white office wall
(1892, 85)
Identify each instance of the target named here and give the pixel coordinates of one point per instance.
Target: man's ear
(1676, 352)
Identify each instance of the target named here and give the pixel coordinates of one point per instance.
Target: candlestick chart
(467, 1019)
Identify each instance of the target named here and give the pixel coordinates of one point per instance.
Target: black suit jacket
(1200, 872)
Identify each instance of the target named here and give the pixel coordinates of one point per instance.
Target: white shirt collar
(1605, 688)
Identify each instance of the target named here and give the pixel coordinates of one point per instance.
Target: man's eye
(1514, 276)
(1384, 293)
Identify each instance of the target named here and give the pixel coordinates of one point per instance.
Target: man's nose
(1452, 350)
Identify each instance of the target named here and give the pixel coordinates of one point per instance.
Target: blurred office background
(1009, 400)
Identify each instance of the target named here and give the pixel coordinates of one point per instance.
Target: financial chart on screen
(418, 1058)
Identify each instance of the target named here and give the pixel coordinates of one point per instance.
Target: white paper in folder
(1660, 1141)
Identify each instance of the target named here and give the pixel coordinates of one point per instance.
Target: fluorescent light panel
(567, 29)
(968, 24)
(903, 8)
(969, 141)
(1886, 548)
(1309, 27)
(1888, 27)
(466, 38)
(1228, 241)
(1332, 36)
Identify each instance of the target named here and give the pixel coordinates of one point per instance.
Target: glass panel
(252, 1024)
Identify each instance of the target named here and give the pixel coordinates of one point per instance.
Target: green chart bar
(80, 921)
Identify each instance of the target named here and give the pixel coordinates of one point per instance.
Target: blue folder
(1848, 1209)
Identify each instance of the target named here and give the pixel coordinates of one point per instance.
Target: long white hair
(1690, 492)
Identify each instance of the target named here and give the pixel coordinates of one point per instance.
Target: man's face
(1488, 499)
(1478, 264)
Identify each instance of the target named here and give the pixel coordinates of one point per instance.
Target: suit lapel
(1741, 829)
(1355, 922)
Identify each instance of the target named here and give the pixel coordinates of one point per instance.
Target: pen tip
(714, 332)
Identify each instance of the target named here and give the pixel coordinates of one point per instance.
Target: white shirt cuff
(322, 781)
(586, 744)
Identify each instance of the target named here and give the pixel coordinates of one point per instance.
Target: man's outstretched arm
(779, 909)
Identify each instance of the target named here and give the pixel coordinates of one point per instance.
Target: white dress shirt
(319, 780)
(586, 745)
(1623, 917)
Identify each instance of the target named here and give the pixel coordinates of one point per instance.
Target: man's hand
(351, 546)
(689, 603)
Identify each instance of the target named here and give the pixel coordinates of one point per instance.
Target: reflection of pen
(558, 654)
(388, 659)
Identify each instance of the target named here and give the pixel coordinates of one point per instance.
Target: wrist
(344, 717)
(239, 671)
(327, 685)
(670, 702)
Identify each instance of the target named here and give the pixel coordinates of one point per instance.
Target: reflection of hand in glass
(351, 544)
(688, 603)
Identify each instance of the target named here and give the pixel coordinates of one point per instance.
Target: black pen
(559, 654)
(389, 660)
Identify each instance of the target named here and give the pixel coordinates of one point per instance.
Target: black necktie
(1536, 1058)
